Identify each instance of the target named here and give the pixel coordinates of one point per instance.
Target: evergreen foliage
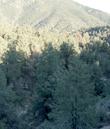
(56, 88)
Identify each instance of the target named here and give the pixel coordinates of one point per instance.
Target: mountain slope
(59, 15)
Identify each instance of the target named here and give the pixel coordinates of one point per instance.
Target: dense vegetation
(56, 88)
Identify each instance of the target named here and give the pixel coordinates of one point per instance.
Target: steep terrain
(59, 15)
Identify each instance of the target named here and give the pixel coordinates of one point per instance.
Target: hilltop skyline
(59, 15)
(102, 5)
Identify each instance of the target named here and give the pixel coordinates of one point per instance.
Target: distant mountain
(57, 15)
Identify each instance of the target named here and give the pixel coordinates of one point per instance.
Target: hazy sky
(103, 5)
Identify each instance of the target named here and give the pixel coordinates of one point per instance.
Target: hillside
(54, 65)
(24, 36)
(54, 81)
(59, 15)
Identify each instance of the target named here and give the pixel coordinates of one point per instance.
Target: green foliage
(73, 97)
(97, 57)
(44, 75)
(13, 61)
(57, 88)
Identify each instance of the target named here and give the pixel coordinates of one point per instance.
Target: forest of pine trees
(54, 89)
(58, 87)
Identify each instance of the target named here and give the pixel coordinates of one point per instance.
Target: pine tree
(46, 66)
(12, 62)
(74, 97)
